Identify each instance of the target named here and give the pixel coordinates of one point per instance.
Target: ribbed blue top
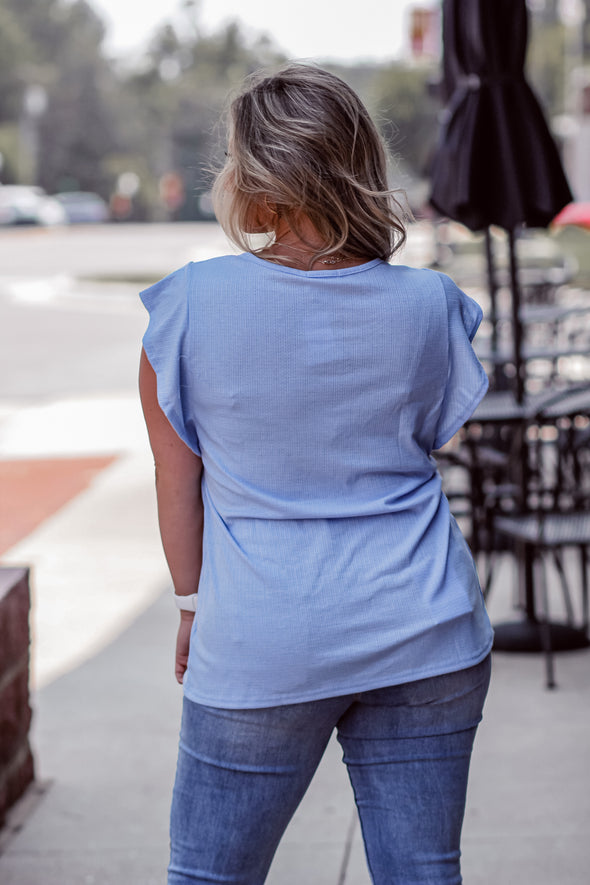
(331, 561)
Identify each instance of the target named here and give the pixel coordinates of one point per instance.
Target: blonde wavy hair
(301, 143)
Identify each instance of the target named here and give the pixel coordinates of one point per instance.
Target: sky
(302, 29)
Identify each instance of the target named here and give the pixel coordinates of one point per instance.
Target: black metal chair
(551, 514)
(469, 471)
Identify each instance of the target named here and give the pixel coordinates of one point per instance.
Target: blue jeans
(242, 773)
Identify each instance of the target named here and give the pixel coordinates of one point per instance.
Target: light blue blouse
(331, 562)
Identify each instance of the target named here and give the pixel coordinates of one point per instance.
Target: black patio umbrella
(496, 162)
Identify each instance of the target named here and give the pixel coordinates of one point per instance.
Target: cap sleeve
(466, 381)
(165, 346)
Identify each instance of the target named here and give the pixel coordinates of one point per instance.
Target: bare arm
(180, 507)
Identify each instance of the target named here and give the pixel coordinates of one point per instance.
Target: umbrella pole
(516, 324)
(493, 290)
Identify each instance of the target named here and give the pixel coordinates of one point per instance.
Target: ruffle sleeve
(165, 345)
(466, 381)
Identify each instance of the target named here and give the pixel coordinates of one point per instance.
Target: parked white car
(23, 204)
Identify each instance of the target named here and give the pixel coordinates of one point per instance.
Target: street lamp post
(33, 107)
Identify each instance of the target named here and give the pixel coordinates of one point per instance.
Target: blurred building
(425, 31)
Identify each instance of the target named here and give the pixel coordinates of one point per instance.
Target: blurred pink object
(574, 213)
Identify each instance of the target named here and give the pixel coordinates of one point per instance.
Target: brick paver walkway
(32, 490)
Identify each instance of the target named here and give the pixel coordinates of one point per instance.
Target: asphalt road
(108, 250)
(70, 319)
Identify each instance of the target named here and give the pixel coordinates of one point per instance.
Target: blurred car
(83, 207)
(24, 204)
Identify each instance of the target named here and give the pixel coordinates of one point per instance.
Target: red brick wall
(16, 761)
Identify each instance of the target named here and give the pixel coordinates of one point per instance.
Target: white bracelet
(186, 603)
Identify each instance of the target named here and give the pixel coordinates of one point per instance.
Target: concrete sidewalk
(105, 734)
(106, 706)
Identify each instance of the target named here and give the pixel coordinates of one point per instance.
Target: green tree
(408, 112)
(54, 47)
(178, 97)
(77, 130)
(15, 46)
(545, 64)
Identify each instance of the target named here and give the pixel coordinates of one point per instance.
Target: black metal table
(502, 408)
(502, 355)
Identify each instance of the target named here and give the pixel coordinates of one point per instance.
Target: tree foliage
(409, 113)
(545, 64)
(54, 48)
(157, 118)
(180, 93)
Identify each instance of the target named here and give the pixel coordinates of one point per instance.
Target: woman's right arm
(180, 506)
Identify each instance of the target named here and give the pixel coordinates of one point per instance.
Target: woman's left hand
(182, 644)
